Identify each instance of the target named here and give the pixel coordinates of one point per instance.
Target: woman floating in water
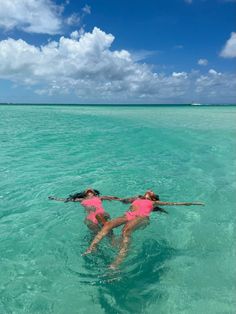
(137, 216)
(92, 203)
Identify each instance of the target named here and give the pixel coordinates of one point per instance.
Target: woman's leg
(103, 219)
(105, 230)
(129, 227)
(94, 228)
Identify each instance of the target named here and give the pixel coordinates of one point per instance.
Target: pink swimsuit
(144, 208)
(96, 204)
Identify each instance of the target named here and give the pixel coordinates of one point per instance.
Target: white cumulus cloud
(202, 62)
(216, 86)
(84, 65)
(77, 18)
(214, 72)
(180, 74)
(36, 16)
(73, 19)
(86, 9)
(229, 50)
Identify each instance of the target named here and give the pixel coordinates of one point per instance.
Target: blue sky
(118, 51)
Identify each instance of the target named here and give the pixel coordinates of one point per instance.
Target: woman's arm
(59, 199)
(109, 198)
(115, 198)
(178, 203)
(65, 200)
(159, 209)
(128, 200)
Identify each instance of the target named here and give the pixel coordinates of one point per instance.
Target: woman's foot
(113, 266)
(87, 252)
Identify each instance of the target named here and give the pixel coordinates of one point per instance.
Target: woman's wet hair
(153, 196)
(73, 197)
(156, 208)
(159, 209)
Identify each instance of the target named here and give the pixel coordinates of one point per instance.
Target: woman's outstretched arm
(128, 200)
(59, 199)
(115, 198)
(65, 200)
(109, 198)
(178, 203)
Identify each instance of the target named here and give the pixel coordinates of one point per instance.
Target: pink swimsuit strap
(143, 209)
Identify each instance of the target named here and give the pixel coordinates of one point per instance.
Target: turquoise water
(183, 262)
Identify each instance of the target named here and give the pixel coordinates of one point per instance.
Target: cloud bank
(85, 65)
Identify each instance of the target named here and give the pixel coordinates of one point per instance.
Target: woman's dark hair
(82, 194)
(157, 208)
(156, 197)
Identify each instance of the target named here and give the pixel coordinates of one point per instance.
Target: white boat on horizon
(196, 104)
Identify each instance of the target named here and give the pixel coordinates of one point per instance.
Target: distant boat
(196, 104)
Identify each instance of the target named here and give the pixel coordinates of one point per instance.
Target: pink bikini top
(143, 207)
(94, 202)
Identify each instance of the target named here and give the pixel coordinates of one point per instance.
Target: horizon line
(115, 105)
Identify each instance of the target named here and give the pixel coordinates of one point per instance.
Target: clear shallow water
(181, 263)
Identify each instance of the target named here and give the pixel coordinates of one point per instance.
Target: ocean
(183, 262)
